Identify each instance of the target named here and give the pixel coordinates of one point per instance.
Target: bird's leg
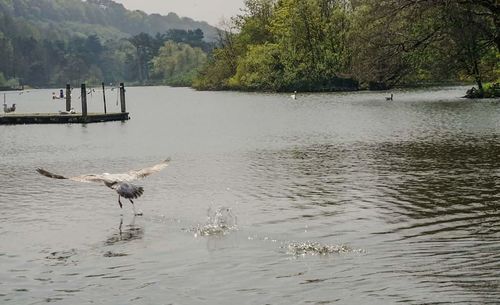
(120, 226)
(119, 202)
(135, 212)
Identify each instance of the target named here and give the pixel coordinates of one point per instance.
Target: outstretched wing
(83, 178)
(41, 171)
(110, 178)
(144, 172)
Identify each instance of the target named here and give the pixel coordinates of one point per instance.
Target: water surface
(332, 199)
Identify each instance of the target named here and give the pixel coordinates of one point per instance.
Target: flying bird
(118, 182)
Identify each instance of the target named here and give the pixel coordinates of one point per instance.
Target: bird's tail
(137, 191)
(127, 190)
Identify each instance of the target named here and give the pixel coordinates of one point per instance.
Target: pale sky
(211, 11)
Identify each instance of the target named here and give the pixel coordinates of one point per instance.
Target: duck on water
(7, 109)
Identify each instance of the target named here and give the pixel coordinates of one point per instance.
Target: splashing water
(315, 248)
(219, 222)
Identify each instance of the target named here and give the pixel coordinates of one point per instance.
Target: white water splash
(315, 248)
(219, 222)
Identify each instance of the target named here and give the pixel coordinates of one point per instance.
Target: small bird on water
(7, 109)
(118, 182)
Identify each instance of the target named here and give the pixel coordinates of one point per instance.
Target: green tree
(254, 25)
(312, 36)
(222, 63)
(144, 45)
(260, 69)
(177, 62)
(283, 45)
(3, 81)
(396, 42)
(473, 37)
(6, 55)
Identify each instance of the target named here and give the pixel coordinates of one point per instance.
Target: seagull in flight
(118, 182)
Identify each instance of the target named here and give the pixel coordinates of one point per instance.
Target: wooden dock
(68, 117)
(56, 118)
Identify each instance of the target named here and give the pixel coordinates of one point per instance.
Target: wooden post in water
(68, 97)
(122, 98)
(104, 97)
(84, 100)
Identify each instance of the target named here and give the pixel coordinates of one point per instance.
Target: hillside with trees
(59, 19)
(327, 45)
(52, 42)
(273, 45)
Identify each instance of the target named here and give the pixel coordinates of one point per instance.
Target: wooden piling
(68, 97)
(84, 100)
(122, 98)
(104, 97)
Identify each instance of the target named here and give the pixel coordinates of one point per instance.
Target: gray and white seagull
(118, 182)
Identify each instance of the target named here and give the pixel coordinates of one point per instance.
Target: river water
(341, 198)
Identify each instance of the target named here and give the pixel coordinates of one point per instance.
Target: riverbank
(490, 90)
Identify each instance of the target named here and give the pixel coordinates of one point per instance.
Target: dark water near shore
(332, 198)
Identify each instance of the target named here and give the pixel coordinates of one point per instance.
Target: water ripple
(414, 182)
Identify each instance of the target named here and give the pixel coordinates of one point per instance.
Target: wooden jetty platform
(69, 117)
(56, 118)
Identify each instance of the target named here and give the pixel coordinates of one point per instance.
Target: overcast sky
(211, 11)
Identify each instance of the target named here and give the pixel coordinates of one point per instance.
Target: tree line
(105, 18)
(273, 45)
(140, 59)
(316, 45)
(49, 43)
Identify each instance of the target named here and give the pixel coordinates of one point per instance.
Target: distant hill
(54, 42)
(60, 19)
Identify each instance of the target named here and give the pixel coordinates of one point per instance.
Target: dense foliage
(274, 45)
(177, 63)
(337, 44)
(59, 19)
(50, 43)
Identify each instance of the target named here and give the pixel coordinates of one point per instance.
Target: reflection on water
(125, 234)
(62, 257)
(412, 182)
